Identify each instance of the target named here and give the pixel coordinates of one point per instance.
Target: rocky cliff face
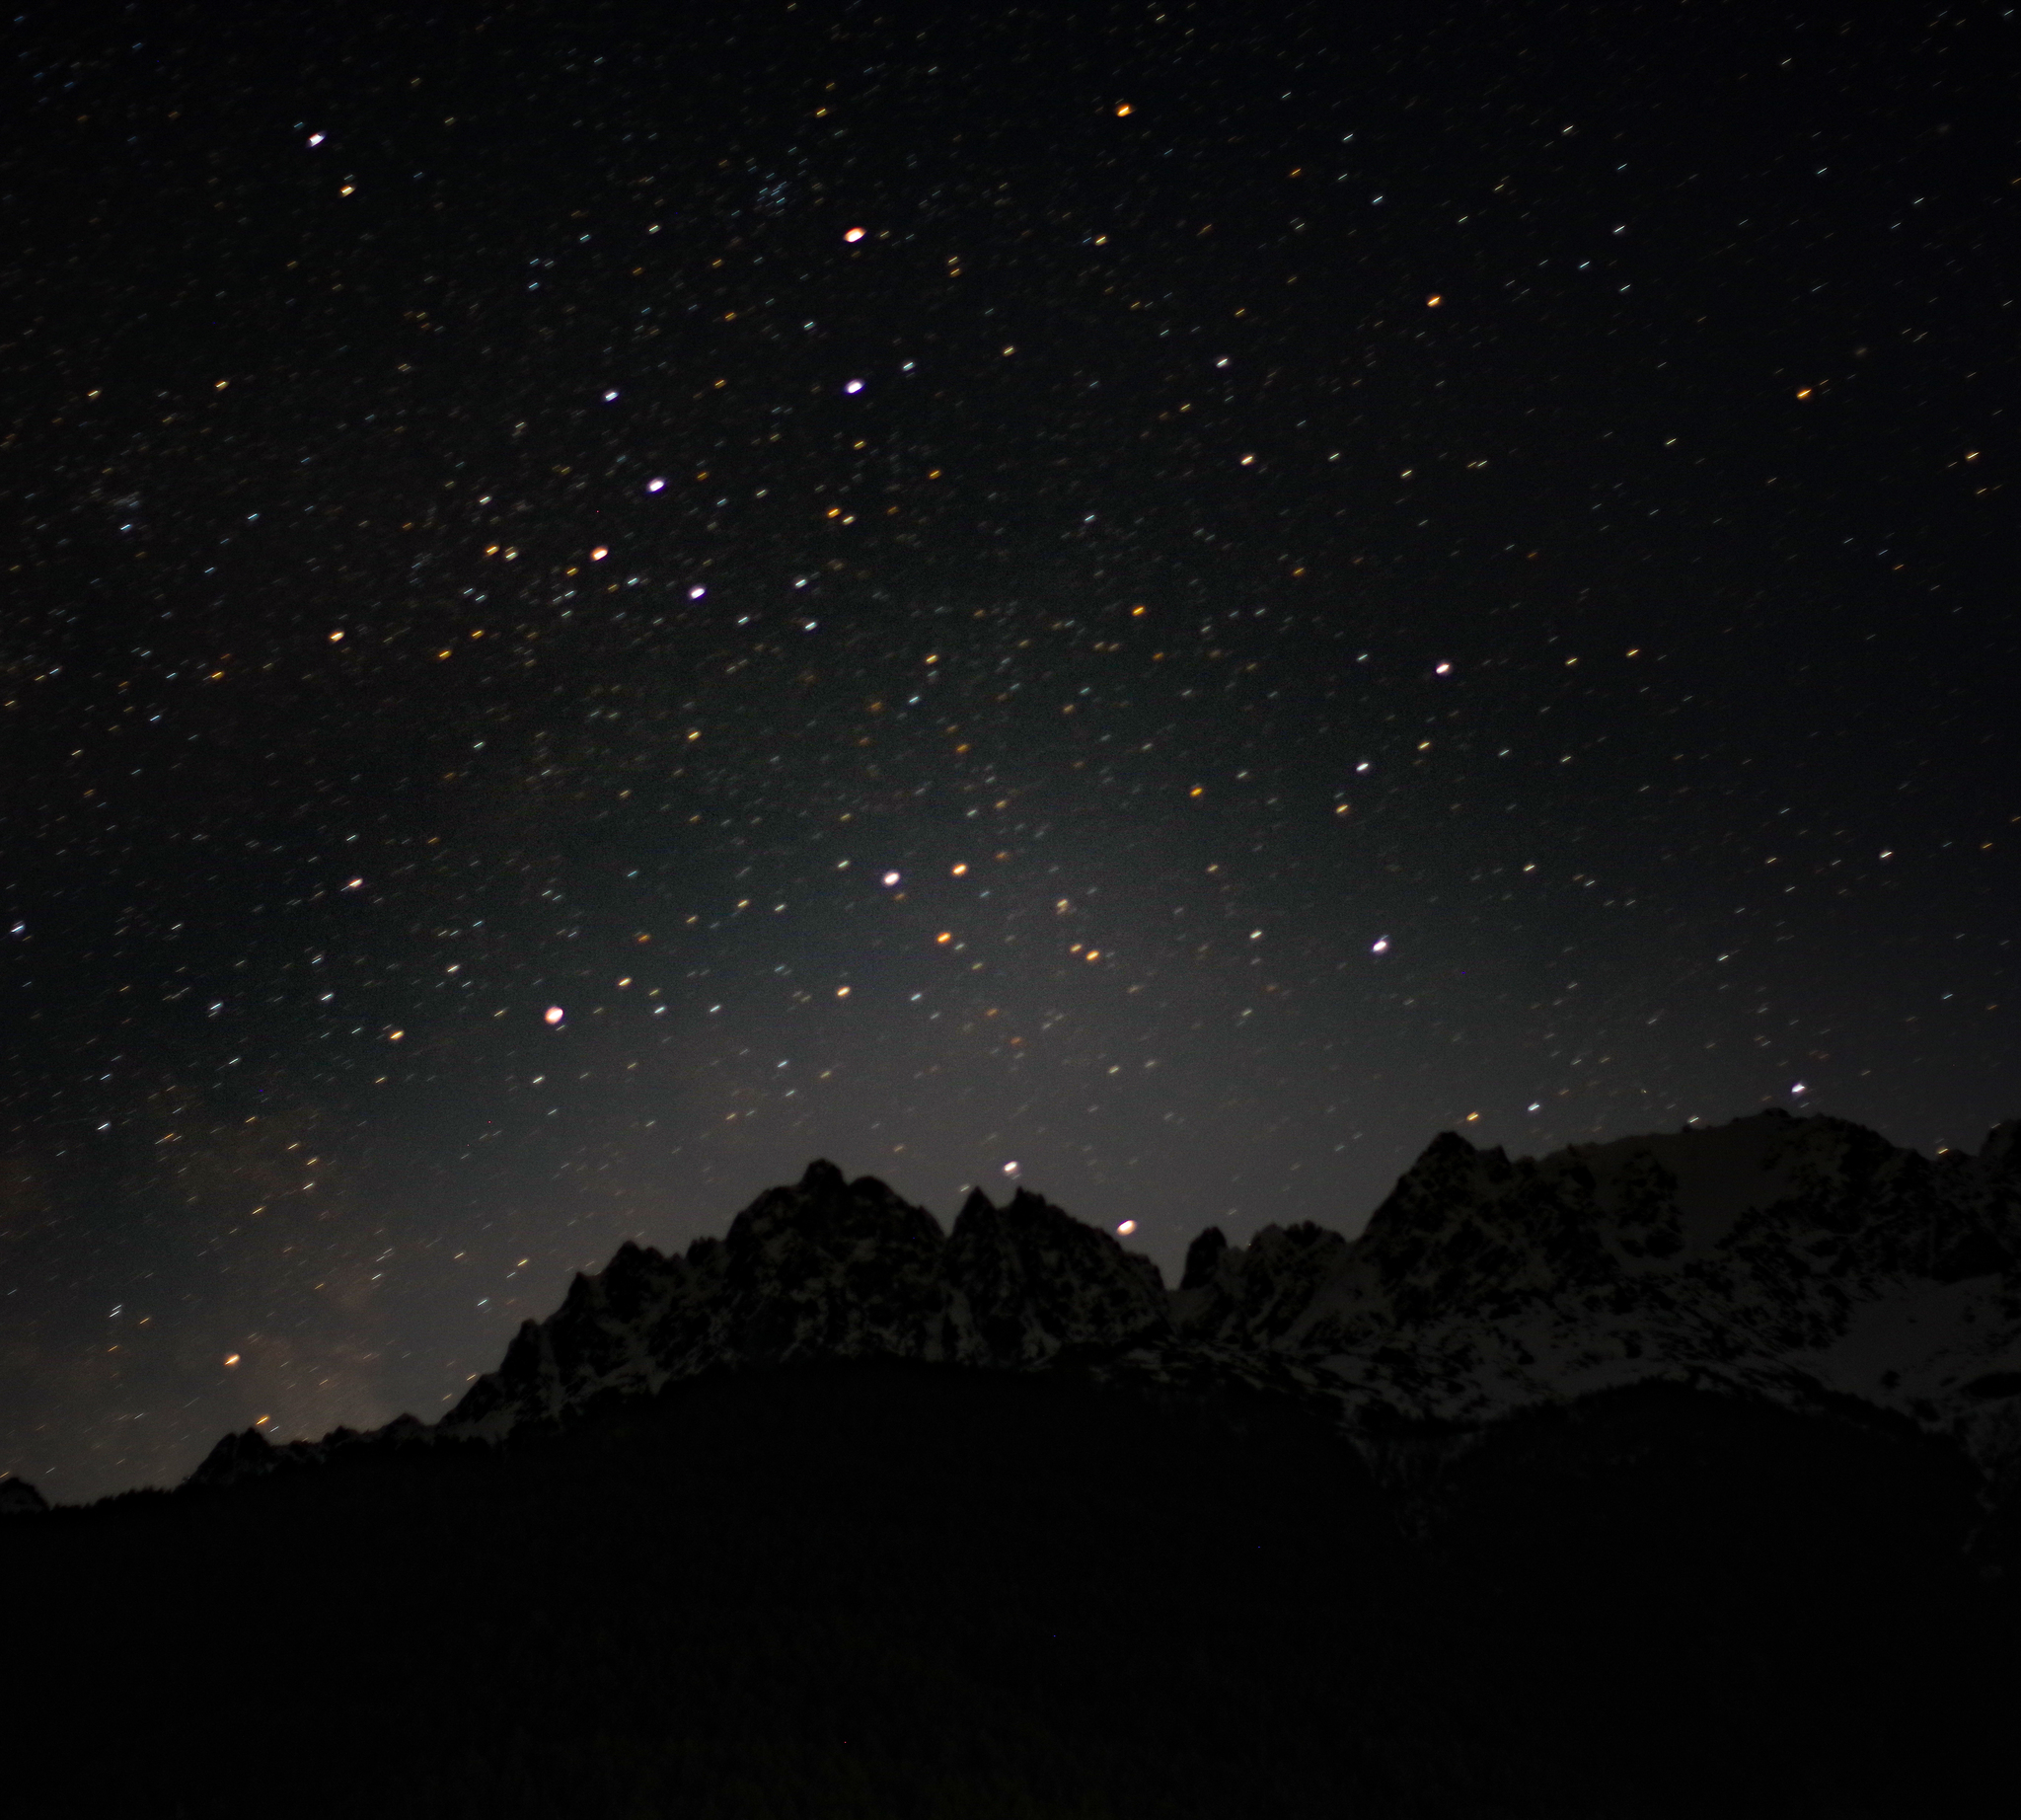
(1799, 1259)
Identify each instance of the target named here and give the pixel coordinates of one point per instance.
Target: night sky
(1153, 600)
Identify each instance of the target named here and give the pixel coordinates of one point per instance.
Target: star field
(1146, 601)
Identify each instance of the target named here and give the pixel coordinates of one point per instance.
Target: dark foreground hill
(894, 1589)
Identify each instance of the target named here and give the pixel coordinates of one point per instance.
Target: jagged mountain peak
(20, 1497)
(246, 1454)
(828, 1267)
(1462, 1222)
(825, 1207)
(1029, 1281)
(1261, 1293)
(821, 1177)
(1202, 1257)
(2003, 1146)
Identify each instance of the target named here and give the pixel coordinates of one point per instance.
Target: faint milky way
(597, 610)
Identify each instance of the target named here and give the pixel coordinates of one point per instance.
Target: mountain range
(1653, 1478)
(1803, 1260)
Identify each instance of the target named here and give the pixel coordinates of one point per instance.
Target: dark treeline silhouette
(897, 1592)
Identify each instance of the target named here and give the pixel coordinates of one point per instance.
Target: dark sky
(1151, 599)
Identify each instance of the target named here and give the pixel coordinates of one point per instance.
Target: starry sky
(1152, 600)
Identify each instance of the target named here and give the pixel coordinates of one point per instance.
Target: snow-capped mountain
(1796, 1259)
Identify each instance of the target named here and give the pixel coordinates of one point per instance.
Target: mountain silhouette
(1663, 1477)
(1799, 1260)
